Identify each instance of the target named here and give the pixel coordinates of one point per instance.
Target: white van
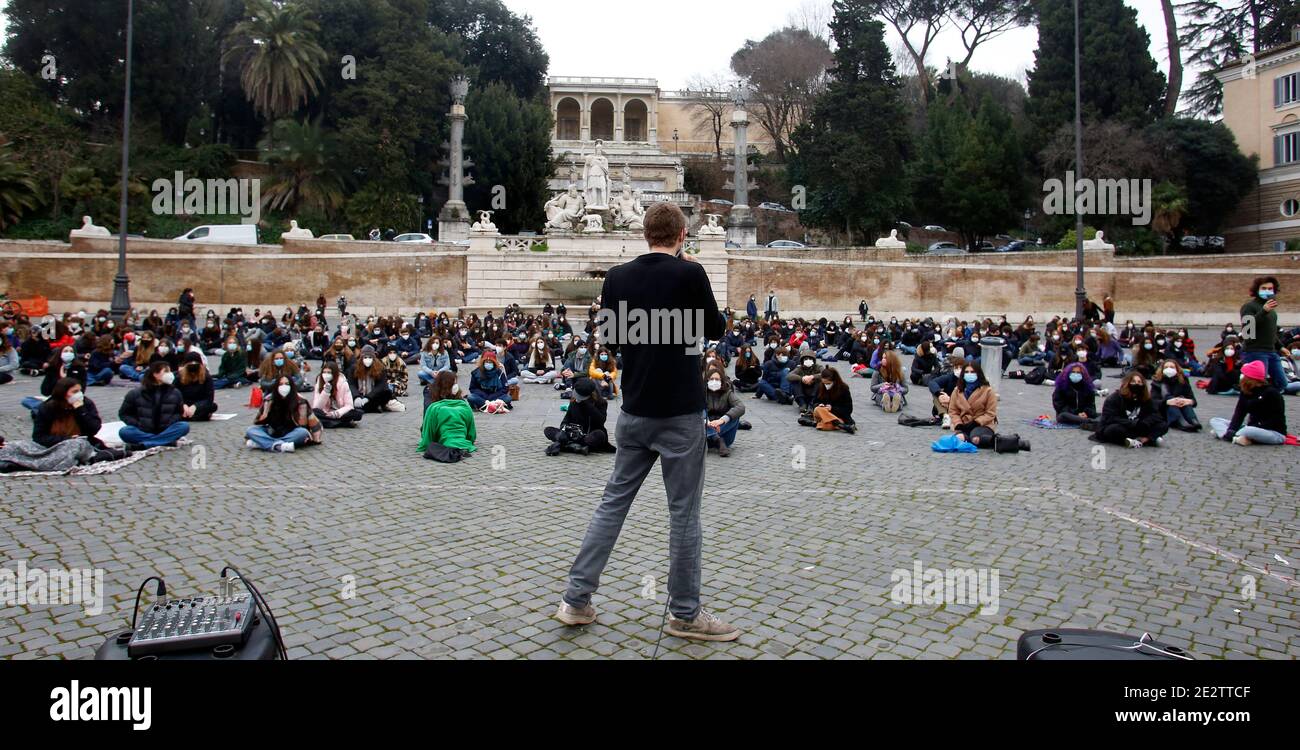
(223, 234)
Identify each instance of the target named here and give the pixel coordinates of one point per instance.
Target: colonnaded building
(647, 133)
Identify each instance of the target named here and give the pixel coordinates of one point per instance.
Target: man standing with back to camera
(662, 419)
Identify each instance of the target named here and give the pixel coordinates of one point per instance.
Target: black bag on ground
(1036, 376)
(442, 454)
(1009, 444)
(910, 421)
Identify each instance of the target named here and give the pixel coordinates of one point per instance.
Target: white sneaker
(284, 447)
(250, 444)
(395, 405)
(1241, 440)
(1160, 442)
(947, 421)
(1133, 443)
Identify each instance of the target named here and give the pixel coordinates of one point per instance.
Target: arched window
(602, 120)
(635, 121)
(568, 120)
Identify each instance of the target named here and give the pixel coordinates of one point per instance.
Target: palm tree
(303, 176)
(278, 55)
(1169, 206)
(18, 193)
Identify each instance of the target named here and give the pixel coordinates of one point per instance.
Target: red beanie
(490, 354)
(1254, 370)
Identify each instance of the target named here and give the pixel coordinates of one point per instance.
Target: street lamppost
(121, 304)
(1080, 293)
(1029, 216)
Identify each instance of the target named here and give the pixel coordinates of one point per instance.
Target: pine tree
(851, 152)
(1120, 78)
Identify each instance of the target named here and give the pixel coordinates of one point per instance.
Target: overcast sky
(672, 40)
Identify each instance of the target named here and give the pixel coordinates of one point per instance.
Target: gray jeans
(679, 443)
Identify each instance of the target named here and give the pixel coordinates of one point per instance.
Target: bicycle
(10, 310)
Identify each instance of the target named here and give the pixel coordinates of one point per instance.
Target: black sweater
(659, 380)
(1265, 410)
(151, 410)
(88, 423)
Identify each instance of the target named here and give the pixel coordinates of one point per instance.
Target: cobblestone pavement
(365, 550)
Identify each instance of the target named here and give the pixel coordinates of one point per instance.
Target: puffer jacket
(152, 409)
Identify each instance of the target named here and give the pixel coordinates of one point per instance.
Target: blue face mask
(1076, 377)
(971, 377)
(604, 358)
(489, 367)
(1266, 294)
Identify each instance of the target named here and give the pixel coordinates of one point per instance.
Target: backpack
(1036, 376)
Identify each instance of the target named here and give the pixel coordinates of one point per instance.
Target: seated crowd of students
(312, 377)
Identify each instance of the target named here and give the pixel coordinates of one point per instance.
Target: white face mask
(1229, 352)
(76, 398)
(368, 361)
(284, 391)
(715, 385)
(392, 355)
(67, 357)
(455, 389)
(163, 350)
(328, 377)
(1171, 374)
(168, 378)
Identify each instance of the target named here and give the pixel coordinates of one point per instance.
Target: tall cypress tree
(851, 152)
(1120, 79)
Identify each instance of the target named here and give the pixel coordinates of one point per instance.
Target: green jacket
(1265, 339)
(233, 364)
(451, 423)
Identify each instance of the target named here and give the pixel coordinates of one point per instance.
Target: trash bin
(991, 348)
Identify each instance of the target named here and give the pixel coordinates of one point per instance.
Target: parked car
(337, 237)
(414, 237)
(774, 207)
(225, 234)
(944, 248)
(934, 228)
(787, 244)
(1018, 246)
(984, 247)
(903, 225)
(720, 201)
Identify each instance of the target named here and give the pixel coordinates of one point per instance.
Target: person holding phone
(1259, 332)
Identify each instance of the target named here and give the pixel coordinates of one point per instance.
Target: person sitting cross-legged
(285, 421)
(154, 413)
(1260, 416)
(582, 430)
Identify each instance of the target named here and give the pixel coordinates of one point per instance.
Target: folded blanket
(80, 470)
(25, 454)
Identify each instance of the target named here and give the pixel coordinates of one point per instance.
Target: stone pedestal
(742, 230)
(453, 222)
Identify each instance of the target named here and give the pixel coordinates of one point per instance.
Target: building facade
(1261, 106)
(647, 130)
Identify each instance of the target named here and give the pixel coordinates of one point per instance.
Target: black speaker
(1072, 644)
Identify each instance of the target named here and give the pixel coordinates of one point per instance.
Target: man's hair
(664, 223)
(1261, 281)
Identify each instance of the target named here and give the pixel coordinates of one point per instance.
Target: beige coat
(981, 407)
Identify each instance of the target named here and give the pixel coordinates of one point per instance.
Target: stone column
(453, 220)
(742, 230)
